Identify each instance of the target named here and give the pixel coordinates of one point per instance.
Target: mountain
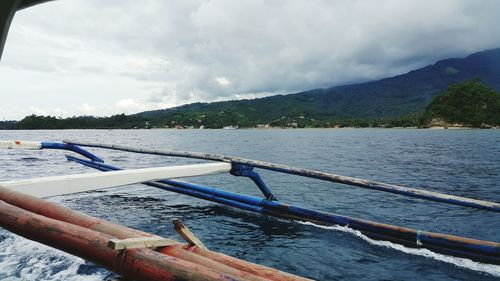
(386, 98)
(397, 101)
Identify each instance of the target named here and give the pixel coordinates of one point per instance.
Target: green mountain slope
(395, 101)
(390, 97)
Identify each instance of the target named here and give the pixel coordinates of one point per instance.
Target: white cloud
(138, 55)
(129, 106)
(55, 111)
(87, 109)
(222, 81)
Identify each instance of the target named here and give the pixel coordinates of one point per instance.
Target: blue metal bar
(245, 202)
(70, 147)
(479, 250)
(241, 170)
(401, 190)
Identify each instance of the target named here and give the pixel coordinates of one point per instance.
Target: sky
(94, 57)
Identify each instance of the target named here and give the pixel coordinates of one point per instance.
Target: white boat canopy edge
(68, 184)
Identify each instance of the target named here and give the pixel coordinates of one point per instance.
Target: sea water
(460, 162)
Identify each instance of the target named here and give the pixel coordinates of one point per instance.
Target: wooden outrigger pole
(235, 161)
(478, 250)
(89, 238)
(92, 238)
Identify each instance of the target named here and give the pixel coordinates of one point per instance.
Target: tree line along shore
(469, 104)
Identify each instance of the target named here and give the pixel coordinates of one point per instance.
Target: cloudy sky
(94, 57)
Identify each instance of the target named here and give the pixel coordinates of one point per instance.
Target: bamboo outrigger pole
(479, 250)
(368, 184)
(89, 238)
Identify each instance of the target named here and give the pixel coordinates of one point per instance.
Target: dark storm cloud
(175, 52)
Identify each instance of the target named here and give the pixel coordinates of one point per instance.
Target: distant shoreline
(271, 128)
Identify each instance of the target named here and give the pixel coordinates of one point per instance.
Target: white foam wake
(22, 259)
(460, 262)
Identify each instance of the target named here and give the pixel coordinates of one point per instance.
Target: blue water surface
(459, 162)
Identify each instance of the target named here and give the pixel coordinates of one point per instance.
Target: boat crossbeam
(479, 250)
(368, 184)
(69, 184)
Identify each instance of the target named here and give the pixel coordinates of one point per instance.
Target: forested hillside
(395, 101)
(467, 104)
(387, 98)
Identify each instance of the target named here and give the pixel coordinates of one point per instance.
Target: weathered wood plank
(68, 184)
(186, 233)
(141, 242)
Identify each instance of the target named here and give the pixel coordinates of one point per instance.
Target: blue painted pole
(241, 170)
(391, 188)
(484, 251)
(70, 147)
(244, 202)
(479, 250)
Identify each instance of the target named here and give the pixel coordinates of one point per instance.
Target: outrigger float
(14, 200)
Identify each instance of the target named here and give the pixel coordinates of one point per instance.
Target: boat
(139, 255)
(130, 253)
(268, 204)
